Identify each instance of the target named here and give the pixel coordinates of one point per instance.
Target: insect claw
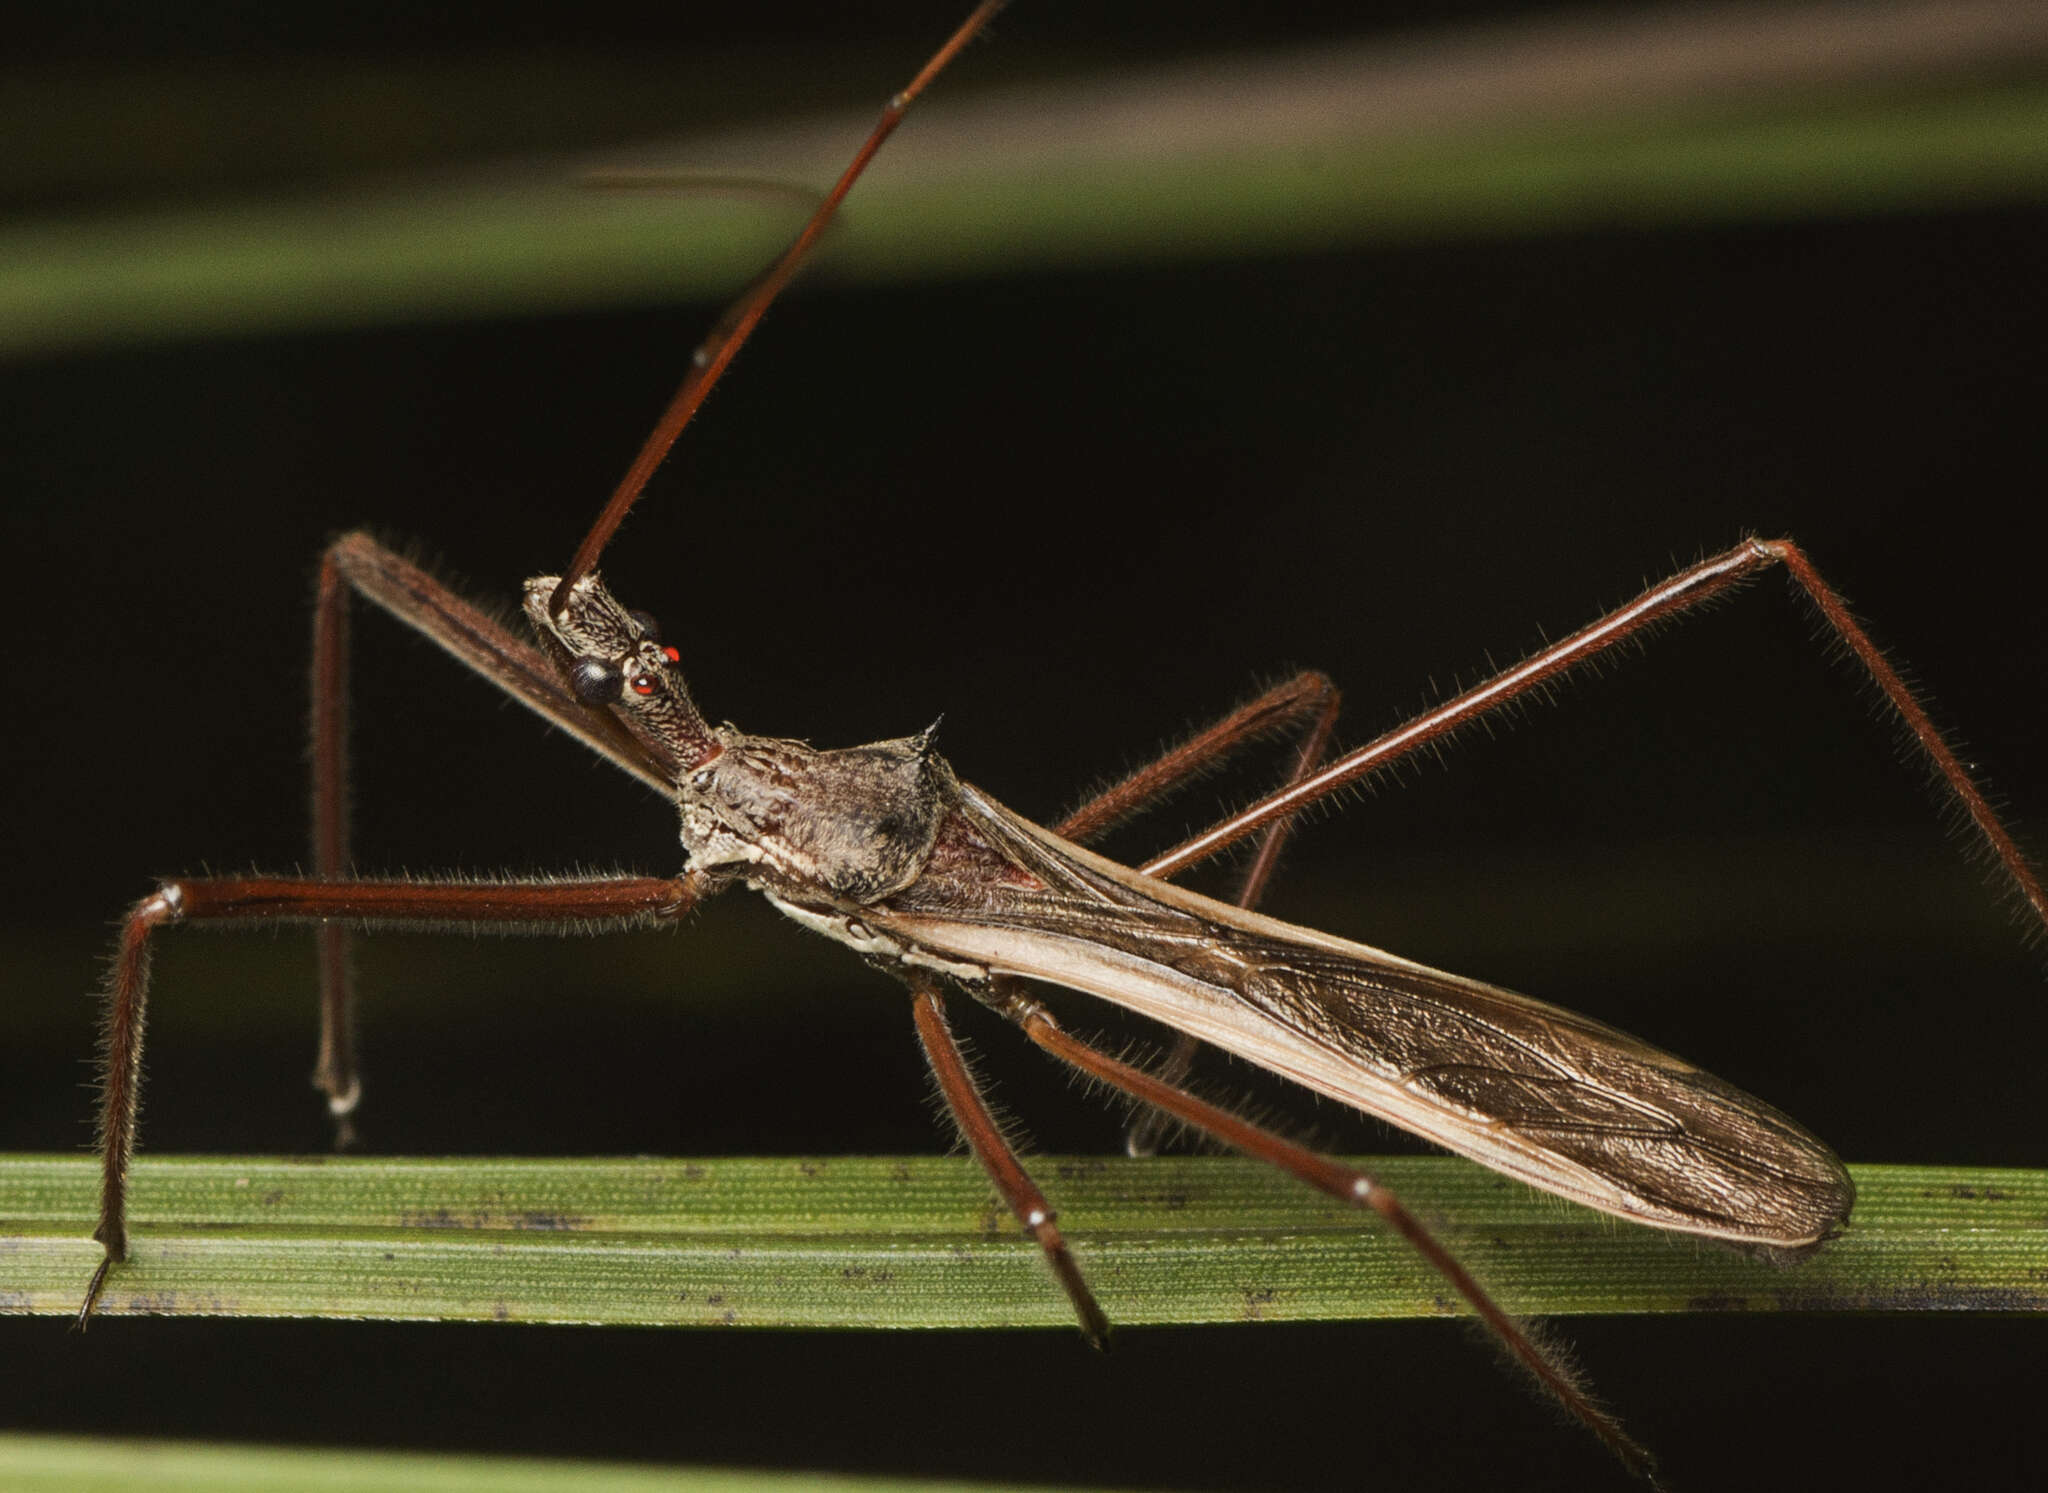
(93, 1288)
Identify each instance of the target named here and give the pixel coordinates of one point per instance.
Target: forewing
(1540, 1093)
(1513, 1077)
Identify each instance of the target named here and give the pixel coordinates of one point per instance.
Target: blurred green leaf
(76, 1464)
(1673, 119)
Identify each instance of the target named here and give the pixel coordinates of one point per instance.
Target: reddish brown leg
(985, 1139)
(358, 563)
(1345, 1183)
(1680, 594)
(334, 1069)
(1278, 707)
(551, 907)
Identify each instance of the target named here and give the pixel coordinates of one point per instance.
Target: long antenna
(716, 352)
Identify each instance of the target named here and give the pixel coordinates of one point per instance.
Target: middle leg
(1308, 694)
(985, 1140)
(1315, 693)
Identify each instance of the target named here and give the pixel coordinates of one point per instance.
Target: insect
(884, 849)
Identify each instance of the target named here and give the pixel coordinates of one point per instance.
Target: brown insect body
(842, 840)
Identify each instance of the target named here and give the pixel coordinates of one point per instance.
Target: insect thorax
(850, 825)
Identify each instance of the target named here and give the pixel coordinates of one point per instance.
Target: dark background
(1077, 513)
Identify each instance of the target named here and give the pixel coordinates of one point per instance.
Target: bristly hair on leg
(1009, 1126)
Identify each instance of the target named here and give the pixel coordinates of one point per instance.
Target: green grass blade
(918, 1242)
(76, 1464)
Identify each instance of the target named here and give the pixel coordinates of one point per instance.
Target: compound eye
(595, 681)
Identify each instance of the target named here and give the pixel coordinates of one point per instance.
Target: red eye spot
(643, 684)
(673, 654)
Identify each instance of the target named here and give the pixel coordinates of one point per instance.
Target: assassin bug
(605, 659)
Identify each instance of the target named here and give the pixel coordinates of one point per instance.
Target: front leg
(469, 634)
(587, 905)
